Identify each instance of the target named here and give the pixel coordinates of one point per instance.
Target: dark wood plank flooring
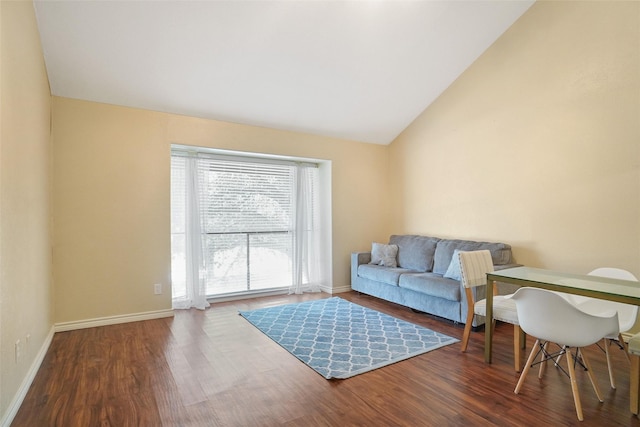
(212, 368)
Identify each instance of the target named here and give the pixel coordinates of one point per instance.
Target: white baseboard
(17, 400)
(112, 320)
(244, 295)
(335, 290)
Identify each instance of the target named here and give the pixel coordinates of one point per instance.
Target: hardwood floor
(212, 368)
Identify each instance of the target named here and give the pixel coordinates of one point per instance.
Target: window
(237, 223)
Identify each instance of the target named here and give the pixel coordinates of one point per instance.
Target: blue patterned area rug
(339, 339)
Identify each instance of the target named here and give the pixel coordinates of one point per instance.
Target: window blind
(245, 197)
(247, 210)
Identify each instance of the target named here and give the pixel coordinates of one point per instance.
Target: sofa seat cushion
(415, 252)
(500, 252)
(378, 273)
(432, 284)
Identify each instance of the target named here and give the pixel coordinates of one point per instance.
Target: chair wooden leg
(517, 345)
(634, 384)
(543, 364)
(574, 385)
(525, 370)
(467, 331)
(558, 359)
(624, 346)
(465, 337)
(608, 356)
(592, 377)
(467, 326)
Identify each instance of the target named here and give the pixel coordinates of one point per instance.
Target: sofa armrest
(506, 288)
(357, 259)
(505, 266)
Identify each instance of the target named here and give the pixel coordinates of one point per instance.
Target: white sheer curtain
(306, 260)
(196, 292)
(194, 262)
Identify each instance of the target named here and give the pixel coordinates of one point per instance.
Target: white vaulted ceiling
(359, 70)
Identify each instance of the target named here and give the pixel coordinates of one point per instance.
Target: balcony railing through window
(236, 262)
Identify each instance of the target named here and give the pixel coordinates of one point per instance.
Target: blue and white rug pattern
(339, 339)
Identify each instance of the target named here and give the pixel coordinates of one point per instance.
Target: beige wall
(25, 155)
(111, 218)
(537, 144)
(111, 200)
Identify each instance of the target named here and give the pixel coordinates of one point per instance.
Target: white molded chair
(550, 318)
(474, 266)
(627, 313)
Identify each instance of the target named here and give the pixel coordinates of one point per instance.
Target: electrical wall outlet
(157, 288)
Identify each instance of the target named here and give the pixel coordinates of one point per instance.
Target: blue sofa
(421, 279)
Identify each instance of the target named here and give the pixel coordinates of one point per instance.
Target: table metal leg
(488, 330)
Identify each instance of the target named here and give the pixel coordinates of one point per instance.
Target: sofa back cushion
(500, 252)
(415, 252)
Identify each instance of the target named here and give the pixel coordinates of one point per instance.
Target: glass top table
(591, 286)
